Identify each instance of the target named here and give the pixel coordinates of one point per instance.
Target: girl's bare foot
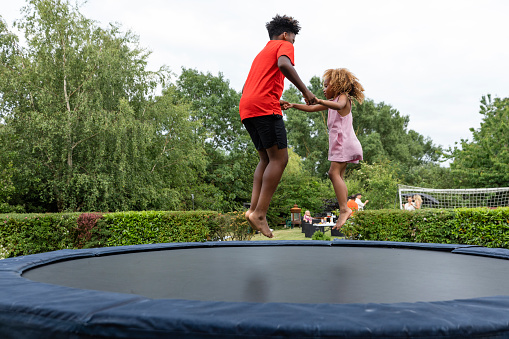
(260, 224)
(343, 217)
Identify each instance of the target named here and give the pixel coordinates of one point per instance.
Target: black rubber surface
(301, 274)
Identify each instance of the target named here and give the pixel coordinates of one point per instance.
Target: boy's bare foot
(248, 213)
(343, 217)
(260, 224)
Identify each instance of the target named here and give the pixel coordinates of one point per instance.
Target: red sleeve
(288, 50)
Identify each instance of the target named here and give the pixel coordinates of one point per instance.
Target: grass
(288, 234)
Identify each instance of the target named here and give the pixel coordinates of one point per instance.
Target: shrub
(232, 226)
(23, 234)
(83, 231)
(320, 236)
(471, 226)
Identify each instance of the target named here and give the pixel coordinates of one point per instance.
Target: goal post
(456, 198)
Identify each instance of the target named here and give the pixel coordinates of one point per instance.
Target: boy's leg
(278, 158)
(336, 175)
(257, 183)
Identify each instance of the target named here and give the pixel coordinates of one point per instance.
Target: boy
(260, 112)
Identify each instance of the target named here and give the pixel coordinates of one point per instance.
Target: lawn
(287, 234)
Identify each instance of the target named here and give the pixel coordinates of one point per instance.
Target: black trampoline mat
(295, 274)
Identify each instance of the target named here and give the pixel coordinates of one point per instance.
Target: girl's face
(327, 90)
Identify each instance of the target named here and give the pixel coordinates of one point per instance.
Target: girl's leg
(278, 158)
(336, 175)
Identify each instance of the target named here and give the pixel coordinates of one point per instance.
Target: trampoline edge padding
(36, 310)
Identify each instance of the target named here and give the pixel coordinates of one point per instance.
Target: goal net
(455, 198)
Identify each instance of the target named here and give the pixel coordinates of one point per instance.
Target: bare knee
(332, 173)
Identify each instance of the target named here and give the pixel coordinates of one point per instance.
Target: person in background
(361, 204)
(418, 201)
(307, 217)
(409, 206)
(352, 204)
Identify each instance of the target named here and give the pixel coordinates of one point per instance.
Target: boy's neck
(286, 36)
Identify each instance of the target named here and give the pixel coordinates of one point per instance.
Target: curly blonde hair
(341, 80)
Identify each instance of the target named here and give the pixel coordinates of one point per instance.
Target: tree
(81, 120)
(484, 162)
(214, 105)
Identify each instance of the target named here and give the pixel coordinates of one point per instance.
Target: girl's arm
(339, 105)
(307, 108)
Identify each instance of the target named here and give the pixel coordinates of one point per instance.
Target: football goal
(455, 198)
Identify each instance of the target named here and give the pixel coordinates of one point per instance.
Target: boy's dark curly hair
(281, 24)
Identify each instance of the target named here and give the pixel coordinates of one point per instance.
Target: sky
(431, 60)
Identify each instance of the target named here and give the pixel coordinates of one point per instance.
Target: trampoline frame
(31, 309)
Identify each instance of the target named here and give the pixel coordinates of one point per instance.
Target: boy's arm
(285, 66)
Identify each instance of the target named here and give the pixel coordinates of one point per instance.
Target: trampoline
(309, 289)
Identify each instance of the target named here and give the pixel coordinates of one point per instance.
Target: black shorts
(267, 131)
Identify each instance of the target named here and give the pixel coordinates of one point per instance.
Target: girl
(308, 218)
(418, 201)
(339, 87)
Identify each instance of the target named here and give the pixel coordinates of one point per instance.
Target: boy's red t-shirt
(265, 82)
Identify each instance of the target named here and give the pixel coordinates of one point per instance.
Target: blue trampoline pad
(270, 289)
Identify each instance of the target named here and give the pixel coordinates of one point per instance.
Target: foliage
(78, 105)
(379, 184)
(484, 162)
(318, 235)
(299, 187)
(429, 175)
(23, 234)
(83, 232)
(232, 226)
(474, 226)
(133, 228)
(231, 159)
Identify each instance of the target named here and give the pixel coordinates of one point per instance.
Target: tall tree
(484, 161)
(80, 117)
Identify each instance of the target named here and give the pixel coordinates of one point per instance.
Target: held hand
(284, 104)
(310, 98)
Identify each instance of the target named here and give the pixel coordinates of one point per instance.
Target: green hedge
(471, 226)
(23, 234)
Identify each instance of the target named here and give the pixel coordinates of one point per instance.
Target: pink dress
(343, 143)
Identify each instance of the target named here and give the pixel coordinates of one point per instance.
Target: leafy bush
(85, 229)
(232, 226)
(133, 228)
(472, 226)
(320, 236)
(23, 234)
